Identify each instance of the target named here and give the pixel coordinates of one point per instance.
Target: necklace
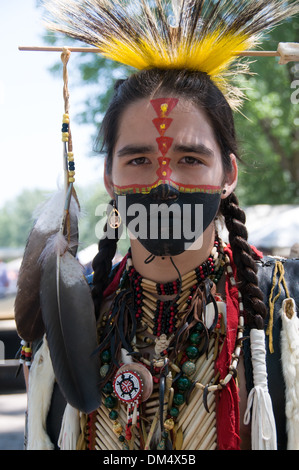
(161, 315)
(179, 383)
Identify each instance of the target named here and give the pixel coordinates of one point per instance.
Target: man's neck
(161, 269)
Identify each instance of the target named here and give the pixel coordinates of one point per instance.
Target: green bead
(161, 445)
(192, 352)
(106, 356)
(178, 399)
(113, 414)
(183, 383)
(188, 368)
(174, 412)
(110, 401)
(121, 438)
(195, 338)
(104, 369)
(108, 388)
(199, 327)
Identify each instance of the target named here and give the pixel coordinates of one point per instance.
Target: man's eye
(190, 161)
(139, 161)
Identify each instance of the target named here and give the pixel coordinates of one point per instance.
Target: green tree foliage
(269, 135)
(17, 218)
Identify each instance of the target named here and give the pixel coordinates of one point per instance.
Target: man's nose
(164, 192)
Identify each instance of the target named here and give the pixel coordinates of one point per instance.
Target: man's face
(165, 140)
(166, 151)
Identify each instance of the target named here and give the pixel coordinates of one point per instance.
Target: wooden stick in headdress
(286, 51)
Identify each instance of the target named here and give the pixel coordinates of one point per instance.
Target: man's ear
(108, 181)
(231, 178)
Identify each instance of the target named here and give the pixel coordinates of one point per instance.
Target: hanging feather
(196, 35)
(70, 324)
(28, 317)
(40, 391)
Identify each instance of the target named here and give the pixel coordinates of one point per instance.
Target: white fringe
(41, 383)
(70, 429)
(290, 367)
(263, 429)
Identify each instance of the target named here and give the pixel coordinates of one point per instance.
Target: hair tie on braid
(244, 259)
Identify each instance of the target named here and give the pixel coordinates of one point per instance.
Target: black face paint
(166, 221)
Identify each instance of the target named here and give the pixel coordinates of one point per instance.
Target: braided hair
(198, 88)
(245, 261)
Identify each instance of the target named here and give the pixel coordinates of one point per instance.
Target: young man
(171, 315)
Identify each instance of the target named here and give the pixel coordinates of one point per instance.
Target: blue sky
(31, 108)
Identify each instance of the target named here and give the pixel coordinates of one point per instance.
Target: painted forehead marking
(163, 107)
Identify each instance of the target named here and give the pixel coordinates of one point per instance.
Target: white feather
(41, 383)
(70, 429)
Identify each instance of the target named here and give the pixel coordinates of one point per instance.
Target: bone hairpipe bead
(288, 51)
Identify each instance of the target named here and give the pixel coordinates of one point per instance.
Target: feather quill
(197, 35)
(40, 243)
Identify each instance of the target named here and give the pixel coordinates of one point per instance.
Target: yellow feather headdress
(201, 35)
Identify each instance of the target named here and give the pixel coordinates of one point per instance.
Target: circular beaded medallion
(143, 374)
(127, 386)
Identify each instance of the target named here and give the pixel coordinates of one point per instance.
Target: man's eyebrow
(193, 148)
(135, 150)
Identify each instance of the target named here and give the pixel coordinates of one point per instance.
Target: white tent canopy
(273, 226)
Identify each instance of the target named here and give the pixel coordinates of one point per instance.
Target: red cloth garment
(228, 414)
(113, 286)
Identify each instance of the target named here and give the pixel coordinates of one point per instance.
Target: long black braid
(245, 261)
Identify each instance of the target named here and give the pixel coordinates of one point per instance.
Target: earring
(114, 218)
(224, 191)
